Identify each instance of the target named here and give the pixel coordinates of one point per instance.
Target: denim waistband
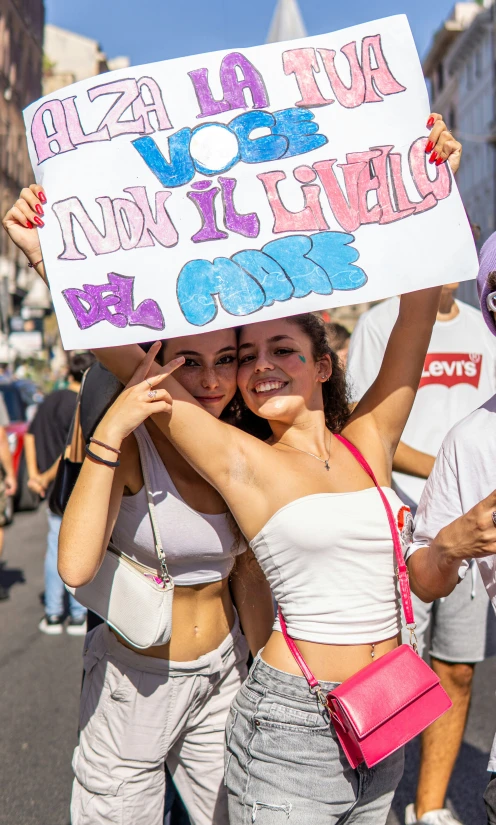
(211, 662)
(286, 683)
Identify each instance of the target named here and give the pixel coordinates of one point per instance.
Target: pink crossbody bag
(393, 699)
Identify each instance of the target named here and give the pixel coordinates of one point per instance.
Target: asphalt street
(40, 678)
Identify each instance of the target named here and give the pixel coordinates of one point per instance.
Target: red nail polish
(430, 123)
(432, 159)
(38, 221)
(29, 224)
(429, 147)
(39, 209)
(439, 161)
(42, 197)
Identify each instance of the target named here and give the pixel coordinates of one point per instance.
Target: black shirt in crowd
(51, 426)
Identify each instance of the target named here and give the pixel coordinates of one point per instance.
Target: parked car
(21, 399)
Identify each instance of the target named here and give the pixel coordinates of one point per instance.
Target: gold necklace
(325, 461)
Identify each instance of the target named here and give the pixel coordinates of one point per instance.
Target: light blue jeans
(54, 586)
(284, 765)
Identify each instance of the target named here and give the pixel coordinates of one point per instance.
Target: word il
(93, 304)
(369, 79)
(291, 132)
(377, 170)
(131, 224)
(451, 369)
(290, 267)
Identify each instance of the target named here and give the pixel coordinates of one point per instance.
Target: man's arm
(436, 557)
(34, 476)
(412, 462)
(6, 461)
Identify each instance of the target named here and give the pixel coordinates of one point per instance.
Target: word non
(287, 268)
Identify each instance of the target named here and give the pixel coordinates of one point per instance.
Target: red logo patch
(451, 368)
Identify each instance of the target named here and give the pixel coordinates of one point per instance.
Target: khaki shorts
(138, 713)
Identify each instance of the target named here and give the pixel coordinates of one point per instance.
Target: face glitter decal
(302, 358)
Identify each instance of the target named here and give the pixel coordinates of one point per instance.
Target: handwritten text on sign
(209, 191)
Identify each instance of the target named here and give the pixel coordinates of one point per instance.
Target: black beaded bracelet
(101, 460)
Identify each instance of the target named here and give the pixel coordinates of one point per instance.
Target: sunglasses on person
(491, 302)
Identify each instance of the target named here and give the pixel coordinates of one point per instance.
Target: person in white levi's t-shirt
(459, 375)
(456, 517)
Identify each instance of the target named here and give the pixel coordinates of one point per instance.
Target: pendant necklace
(325, 461)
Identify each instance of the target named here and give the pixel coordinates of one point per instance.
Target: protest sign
(205, 192)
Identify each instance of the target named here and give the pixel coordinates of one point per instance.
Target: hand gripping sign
(206, 192)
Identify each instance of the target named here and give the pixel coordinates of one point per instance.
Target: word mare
(291, 267)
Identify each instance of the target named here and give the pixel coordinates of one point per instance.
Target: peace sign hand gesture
(140, 399)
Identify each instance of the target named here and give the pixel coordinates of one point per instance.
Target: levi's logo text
(451, 368)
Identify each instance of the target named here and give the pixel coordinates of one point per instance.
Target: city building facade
(460, 69)
(21, 53)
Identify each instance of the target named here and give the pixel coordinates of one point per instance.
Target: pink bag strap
(401, 570)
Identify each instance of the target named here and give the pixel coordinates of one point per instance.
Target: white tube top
(329, 559)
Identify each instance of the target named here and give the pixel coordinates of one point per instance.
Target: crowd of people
(239, 470)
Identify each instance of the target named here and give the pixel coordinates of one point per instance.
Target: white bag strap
(151, 506)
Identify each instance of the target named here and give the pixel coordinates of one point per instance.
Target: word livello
(403, 186)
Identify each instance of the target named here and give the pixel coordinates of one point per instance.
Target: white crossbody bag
(135, 600)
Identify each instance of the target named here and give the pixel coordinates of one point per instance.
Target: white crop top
(199, 548)
(329, 559)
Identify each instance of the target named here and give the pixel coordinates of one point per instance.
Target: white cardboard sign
(205, 192)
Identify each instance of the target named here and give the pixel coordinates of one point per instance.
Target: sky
(150, 30)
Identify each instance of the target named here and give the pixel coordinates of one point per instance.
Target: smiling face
(210, 367)
(278, 376)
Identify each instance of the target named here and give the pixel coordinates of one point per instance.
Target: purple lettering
(93, 304)
(247, 225)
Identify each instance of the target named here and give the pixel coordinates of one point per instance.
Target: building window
(478, 62)
(439, 78)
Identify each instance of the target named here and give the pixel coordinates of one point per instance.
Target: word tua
(368, 81)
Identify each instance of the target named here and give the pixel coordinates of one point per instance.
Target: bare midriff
(202, 616)
(328, 663)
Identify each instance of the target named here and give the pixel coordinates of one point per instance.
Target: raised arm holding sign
(212, 191)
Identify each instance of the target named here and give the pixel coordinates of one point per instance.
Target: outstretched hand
(473, 535)
(441, 145)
